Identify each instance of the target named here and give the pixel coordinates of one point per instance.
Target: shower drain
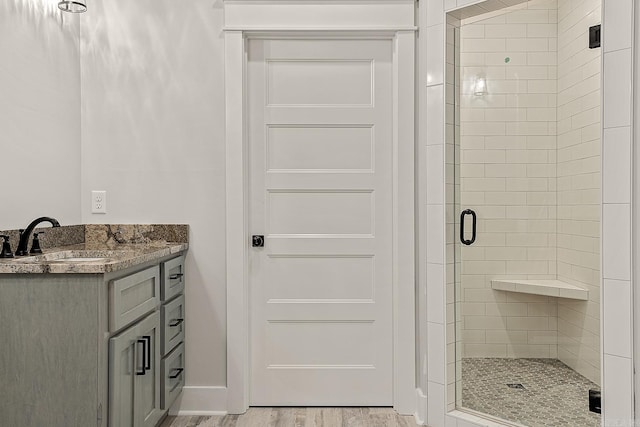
(517, 386)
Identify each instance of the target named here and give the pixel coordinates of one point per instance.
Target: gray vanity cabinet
(87, 350)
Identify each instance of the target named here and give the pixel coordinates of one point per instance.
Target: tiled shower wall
(508, 176)
(530, 162)
(579, 185)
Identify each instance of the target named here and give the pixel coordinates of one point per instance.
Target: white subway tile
(435, 174)
(435, 12)
(616, 241)
(617, 391)
(505, 170)
(449, 4)
(436, 354)
(473, 31)
(542, 30)
(616, 161)
(435, 234)
(528, 239)
(499, 142)
(435, 118)
(473, 60)
(541, 86)
(505, 309)
(542, 58)
(436, 404)
(529, 350)
(528, 16)
(435, 293)
(617, 25)
(527, 323)
(505, 31)
(617, 88)
(482, 128)
(482, 45)
(485, 350)
(515, 58)
(618, 317)
(541, 114)
(473, 336)
(528, 72)
(435, 54)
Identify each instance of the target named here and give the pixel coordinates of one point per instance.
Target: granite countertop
(127, 246)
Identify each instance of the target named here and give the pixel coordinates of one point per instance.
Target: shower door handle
(473, 229)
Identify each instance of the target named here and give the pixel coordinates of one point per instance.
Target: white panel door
(320, 132)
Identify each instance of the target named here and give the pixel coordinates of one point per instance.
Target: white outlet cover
(99, 202)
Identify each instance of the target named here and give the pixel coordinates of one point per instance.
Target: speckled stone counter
(107, 248)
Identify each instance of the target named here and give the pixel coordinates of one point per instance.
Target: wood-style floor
(299, 417)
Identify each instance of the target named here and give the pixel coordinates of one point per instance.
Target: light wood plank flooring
(299, 417)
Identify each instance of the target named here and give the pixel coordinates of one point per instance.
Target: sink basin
(73, 256)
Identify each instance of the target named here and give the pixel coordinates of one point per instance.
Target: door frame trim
(237, 232)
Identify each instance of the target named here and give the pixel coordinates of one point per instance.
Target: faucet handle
(21, 251)
(35, 247)
(6, 247)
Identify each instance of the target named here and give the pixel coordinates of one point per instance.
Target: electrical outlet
(99, 202)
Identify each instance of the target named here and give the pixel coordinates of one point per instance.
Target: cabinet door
(124, 361)
(147, 387)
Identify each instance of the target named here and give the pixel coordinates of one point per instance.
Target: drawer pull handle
(176, 276)
(147, 362)
(144, 357)
(177, 374)
(176, 322)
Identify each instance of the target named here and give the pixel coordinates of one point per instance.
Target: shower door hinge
(595, 401)
(594, 37)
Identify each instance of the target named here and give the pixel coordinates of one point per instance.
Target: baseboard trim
(421, 408)
(200, 401)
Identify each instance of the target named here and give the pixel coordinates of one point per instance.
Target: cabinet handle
(177, 374)
(176, 276)
(176, 322)
(147, 357)
(144, 357)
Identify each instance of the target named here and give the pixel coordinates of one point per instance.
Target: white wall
(39, 113)
(153, 138)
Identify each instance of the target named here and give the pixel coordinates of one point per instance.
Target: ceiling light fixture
(72, 6)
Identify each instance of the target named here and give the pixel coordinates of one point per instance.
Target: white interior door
(320, 132)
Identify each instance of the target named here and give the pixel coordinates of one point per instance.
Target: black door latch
(257, 241)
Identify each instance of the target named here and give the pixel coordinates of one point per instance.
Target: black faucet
(24, 234)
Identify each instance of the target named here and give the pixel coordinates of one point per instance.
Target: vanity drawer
(172, 278)
(172, 375)
(133, 296)
(172, 320)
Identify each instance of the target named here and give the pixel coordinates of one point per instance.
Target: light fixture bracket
(72, 6)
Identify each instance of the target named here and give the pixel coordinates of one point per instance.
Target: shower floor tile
(533, 392)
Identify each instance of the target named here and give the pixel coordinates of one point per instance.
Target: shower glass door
(523, 206)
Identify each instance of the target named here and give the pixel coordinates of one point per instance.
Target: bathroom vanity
(93, 334)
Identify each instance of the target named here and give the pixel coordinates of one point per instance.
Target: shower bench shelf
(551, 288)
